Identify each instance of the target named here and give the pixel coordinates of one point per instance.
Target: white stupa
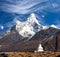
(40, 48)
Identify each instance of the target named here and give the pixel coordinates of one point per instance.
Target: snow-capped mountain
(26, 36)
(54, 26)
(29, 27)
(46, 27)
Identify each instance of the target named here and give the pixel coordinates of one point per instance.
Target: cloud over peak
(21, 6)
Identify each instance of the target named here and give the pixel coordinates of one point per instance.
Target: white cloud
(1, 27)
(22, 6)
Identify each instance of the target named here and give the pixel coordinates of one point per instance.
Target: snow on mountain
(54, 26)
(45, 27)
(32, 19)
(29, 27)
(34, 22)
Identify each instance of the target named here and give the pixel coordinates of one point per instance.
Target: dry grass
(30, 54)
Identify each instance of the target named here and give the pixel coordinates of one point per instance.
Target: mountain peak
(32, 18)
(53, 26)
(29, 27)
(33, 15)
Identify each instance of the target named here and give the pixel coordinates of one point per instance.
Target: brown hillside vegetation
(30, 54)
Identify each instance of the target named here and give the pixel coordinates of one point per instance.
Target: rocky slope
(49, 39)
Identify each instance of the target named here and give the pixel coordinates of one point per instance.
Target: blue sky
(47, 11)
